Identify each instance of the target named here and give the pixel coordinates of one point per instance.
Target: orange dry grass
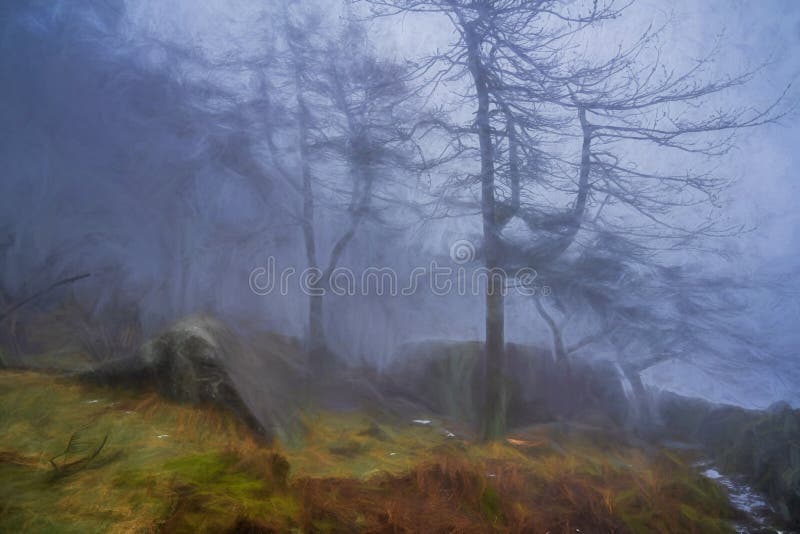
(196, 469)
(435, 497)
(537, 483)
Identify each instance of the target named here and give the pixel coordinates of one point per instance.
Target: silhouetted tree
(531, 95)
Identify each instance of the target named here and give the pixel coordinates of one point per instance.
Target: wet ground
(758, 515)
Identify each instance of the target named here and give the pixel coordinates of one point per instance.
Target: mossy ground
(182, 469)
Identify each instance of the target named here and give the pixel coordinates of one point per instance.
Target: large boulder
(761, 445)
(436, 377)
(446, 378)
(200, 360)
(767, 451)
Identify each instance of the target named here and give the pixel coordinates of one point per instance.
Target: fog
(155, 145)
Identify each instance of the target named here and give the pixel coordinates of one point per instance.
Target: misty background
(126, 149)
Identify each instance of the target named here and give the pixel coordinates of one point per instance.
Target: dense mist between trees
(630, 169)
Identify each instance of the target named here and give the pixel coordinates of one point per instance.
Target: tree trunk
(560, 353)
(495, 409)
(645, 416)
(315, 342)
(316, 331)
(494, 414)
(513, 162)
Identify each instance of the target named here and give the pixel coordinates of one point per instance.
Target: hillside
(80, 458)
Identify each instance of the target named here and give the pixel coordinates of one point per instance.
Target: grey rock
(200, 360)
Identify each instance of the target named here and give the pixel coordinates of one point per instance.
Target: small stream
(751, 503)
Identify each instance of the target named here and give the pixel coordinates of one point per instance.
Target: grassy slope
(184, 469)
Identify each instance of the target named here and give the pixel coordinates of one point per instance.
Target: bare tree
(641, 313)
(532, 94)
(495, 40)
(349, 106)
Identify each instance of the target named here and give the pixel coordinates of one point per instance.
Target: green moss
(159, 458)
(490, 505)
(183, 469)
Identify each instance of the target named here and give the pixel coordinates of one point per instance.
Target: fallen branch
(42, 292)
(81, 462)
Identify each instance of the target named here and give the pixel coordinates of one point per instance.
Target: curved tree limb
(42, 292)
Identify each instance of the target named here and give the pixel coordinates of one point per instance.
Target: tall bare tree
(349, 106)
(532, 95)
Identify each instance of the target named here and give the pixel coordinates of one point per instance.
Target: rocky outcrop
(761, 445)
(200, 360)
(446, 378)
